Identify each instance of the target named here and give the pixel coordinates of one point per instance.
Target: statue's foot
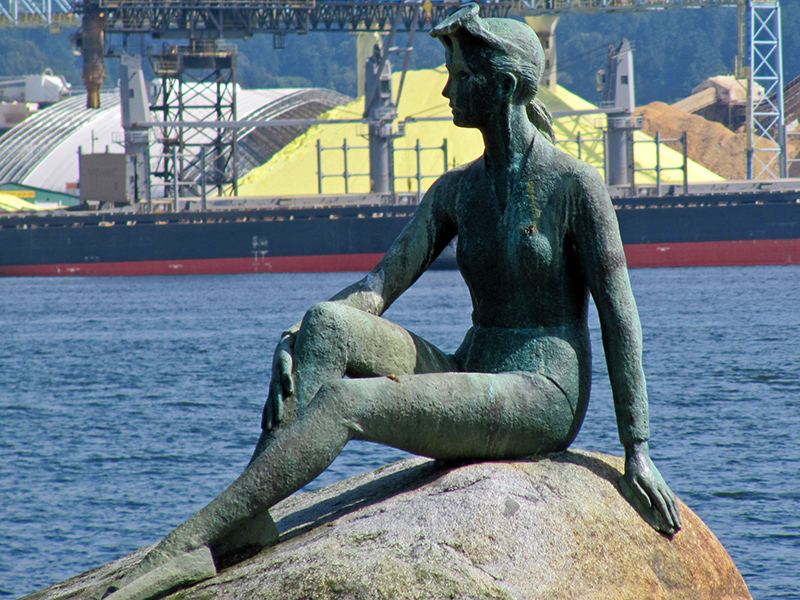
(254, 534)
(181, 570)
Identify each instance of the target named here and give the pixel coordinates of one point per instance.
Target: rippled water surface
(126, 404)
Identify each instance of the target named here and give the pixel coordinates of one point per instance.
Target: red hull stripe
(714, 254)
(695, 254)
(283, 264)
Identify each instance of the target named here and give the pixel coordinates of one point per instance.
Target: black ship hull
(759, 228)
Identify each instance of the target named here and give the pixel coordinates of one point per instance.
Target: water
(126, 404)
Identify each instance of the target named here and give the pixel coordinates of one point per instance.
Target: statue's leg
(334, 341)
(442, 415)
(461, 415)
(337, 340)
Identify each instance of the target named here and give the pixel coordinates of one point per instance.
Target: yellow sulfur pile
(293, 171)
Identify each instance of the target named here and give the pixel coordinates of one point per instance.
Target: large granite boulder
(552, 528)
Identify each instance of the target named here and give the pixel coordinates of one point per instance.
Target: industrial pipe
(93, 48)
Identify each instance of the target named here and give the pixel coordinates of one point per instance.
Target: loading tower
(766, 127)
(197, 85)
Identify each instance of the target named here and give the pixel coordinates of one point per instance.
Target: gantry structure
(759, 60)
(53, 14)
(224, 18)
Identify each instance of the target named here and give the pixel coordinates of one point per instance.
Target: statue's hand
(643, 486)
(281, 386)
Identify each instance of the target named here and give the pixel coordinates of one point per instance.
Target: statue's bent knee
(324, 317)
(324, 336)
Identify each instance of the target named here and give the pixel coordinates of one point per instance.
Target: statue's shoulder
(457, 181)
(464, 173)
(582, 176)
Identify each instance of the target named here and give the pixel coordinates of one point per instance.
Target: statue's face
(471, 93)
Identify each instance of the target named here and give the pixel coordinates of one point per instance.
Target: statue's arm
(430, 230)
(603, 264)
(417, 246)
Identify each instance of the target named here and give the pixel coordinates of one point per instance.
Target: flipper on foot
(188, 568)
(256, 533)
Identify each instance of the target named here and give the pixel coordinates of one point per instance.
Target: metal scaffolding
(198, 85)
(766, 143)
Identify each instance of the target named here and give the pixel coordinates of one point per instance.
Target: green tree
(31, 51)
(674, 50)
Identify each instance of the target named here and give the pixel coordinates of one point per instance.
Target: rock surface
(542, 529)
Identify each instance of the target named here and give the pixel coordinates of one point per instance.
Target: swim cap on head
(515, 41)
(513, 38)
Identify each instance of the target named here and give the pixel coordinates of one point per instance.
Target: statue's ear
(508, 84)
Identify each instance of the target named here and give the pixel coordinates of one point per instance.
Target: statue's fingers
(662, 506)
(285, 365)
(266, 416)
(642, 495)
(277, 407)
(266, 413)
(269, 420)
(277, 402)
(288, 382)
(675, 512)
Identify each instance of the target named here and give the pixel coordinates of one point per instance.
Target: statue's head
(494, 46)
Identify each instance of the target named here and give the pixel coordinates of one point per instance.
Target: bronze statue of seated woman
(537, 234)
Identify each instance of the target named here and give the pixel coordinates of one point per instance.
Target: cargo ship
(730, 224)
(662, 225)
